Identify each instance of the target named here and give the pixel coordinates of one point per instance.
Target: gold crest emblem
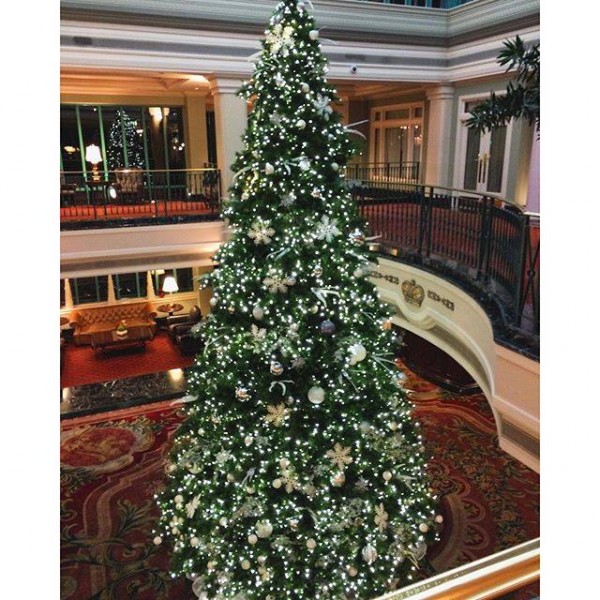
(413, 293)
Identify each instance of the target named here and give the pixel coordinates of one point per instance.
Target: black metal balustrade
(134, 196)
(489, 247)
(391, 172)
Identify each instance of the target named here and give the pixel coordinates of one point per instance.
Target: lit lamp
(93, 156)
(170, 286)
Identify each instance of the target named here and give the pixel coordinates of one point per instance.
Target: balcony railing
(138, 197)
(488, 247)
(397, 172)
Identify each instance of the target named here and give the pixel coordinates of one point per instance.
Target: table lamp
(169, 285)
(93, 156)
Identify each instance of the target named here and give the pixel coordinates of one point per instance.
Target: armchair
(191, 318)
(187, 340)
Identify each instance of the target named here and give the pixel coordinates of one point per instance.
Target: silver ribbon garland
(320, 293)
(380, 360)
(345, 374)
(277, 254)
(249, 476)
(282, 384)
(349, 130)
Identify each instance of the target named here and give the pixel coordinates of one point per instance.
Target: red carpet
(82, 365)
(112, 464)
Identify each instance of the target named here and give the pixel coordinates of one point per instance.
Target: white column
(533, 187)
(439, 126)
(111, 290)
(231, 118)
(150, 291)
(68, 293)
(194, 114)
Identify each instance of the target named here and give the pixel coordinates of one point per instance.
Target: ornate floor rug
(112, 464)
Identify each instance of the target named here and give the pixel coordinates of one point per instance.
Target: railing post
(485, 239)
(424, 233)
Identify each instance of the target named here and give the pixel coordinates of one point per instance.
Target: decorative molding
(437, 298)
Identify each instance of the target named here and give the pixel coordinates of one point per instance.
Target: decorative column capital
(440, 92)
(224, 85)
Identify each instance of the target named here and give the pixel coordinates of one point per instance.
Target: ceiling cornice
(349, 20)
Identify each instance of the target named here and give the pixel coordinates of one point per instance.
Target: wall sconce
(93, 156)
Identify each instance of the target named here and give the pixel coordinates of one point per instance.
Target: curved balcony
(487, 247)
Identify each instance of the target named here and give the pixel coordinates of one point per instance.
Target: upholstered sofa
(86, 321)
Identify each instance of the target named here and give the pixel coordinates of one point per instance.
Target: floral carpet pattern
(112, 465)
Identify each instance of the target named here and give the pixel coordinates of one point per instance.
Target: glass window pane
(401, 113)
(417, 142)
(130, 285)
(62, 293)
(90, 289)
(70, 151)
(396, 142)
(418, 112)
(472, 160)
(90, 127)
(175, 138)
(185, 279)
(496, 160)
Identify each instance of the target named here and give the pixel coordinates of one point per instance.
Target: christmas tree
(124, 127)
(299, 471)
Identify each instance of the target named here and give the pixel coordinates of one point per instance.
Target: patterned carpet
(112, 463)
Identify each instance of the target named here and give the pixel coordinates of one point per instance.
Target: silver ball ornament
(316, 394)
(327, 327)
(276, 368)
(369, 554)
(258, 313)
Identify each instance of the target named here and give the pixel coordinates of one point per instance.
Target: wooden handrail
(483, 579)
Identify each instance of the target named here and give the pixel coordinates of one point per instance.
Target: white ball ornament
(316, 394)
(258, 313)
(245, 564)
(276, 483)
(313, 34)
(358, 353)
(264, 529)
(352, 571)
(369, 554)
(423, 528)
(157, 540)
(252, 539)
(248, 440)
(301, 124)
(178, 499)
(439, 519)
(223, 522)
(305, 88)
(194, 542)
(335, 166)
(387, 475)
(311, 544)
(284, 463)
(269, 169)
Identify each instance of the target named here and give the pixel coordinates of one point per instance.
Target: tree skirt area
(113, 463)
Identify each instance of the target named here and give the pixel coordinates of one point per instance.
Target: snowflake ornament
(321, 104)
(190, 507)
(276, 414)
(327, 229)
(288, 199)
(381, 517)
(274, 282)
(280, 39)
(340, 456)
(261, 232)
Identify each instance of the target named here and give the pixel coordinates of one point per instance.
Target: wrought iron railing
(145, 196)
(489, 246)
(396, 172)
